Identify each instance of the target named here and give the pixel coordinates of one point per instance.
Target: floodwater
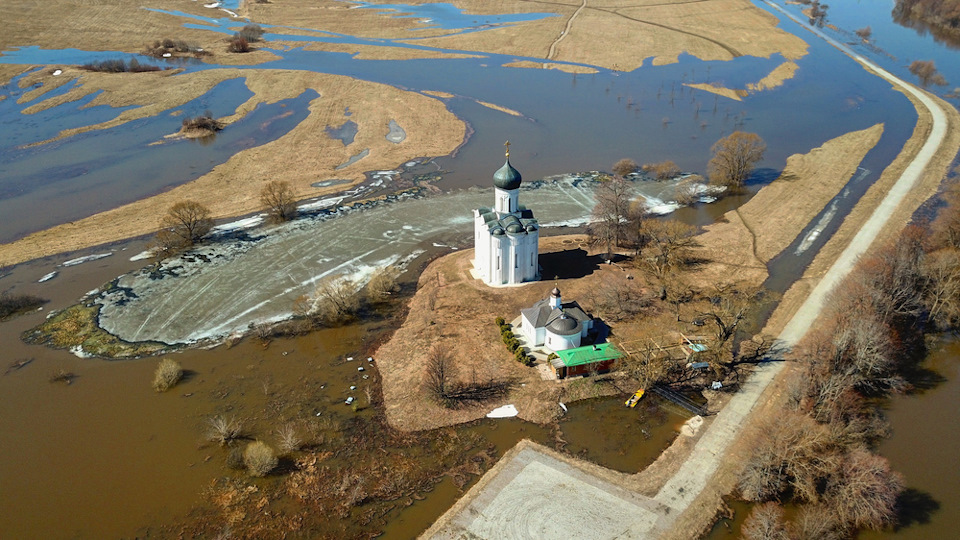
(923, 447)
(106, 456)
(569, 123)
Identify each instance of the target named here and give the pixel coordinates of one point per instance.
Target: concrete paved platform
(532, 494)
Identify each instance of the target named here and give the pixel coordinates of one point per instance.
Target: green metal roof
(589, 354)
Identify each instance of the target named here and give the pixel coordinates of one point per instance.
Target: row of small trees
(818, 452)
(513, 344)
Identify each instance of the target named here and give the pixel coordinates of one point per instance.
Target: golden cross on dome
(507, 144)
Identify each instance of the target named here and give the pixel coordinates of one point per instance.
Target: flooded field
(106, 456)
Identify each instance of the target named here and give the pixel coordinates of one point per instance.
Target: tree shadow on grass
(569, 264)
(915, 507)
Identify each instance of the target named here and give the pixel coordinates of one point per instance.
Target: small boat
(632, 402)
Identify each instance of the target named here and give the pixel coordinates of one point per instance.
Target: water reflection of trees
(938, 18)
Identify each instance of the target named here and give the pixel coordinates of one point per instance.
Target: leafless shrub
(383, 283)
(251, 32)
(62, 375)
(289, 439)
(334, 300)
(817, 522)
(11, 304)
(865, 33)
(168, 374)
(624, 167)
(119, 66)
(926, 71)
(864, 491)
(203, 122)
(238, 45)
(765, 522)
(224, 429)
(664, 170)
(259, 458)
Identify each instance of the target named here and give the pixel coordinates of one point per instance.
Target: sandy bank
(303, 156)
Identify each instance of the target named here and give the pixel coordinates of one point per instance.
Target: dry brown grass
(302, 156)
(748, 237)
(631, 33)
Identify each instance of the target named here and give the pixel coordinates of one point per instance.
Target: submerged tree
(734, 157)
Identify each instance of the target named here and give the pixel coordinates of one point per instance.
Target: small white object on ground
(167, 55)
(506, 411)
(349, 359)
(353, 387)
(57, 72)
(360, 368)
(562, 406)
(349, 400)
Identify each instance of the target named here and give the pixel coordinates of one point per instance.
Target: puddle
(346, 133)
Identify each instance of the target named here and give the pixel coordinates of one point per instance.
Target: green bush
(500, 322)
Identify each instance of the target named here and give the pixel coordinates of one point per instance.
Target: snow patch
(78, 351)
(322, 203)
(240, 224)
(506, 411)
(142, 256)
(48, 277)
(57, 72)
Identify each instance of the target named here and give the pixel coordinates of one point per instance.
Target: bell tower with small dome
(506, 237)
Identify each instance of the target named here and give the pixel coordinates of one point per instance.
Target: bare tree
(624, 167)
(277, 196)
(946, 227)
(609, 221)
(792, 453)
(669, 245)
(864, 491)
(729, 307)
(817, 522)
(185, 224)
(439, 369)
(734, 157)
(941, 271)
(765, 522)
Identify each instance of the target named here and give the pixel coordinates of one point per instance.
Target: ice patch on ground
(240, 224)
(88, 258)
(48, 277)
(321, 204)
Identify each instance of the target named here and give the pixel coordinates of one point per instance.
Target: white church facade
(556, 325)
(507, 236)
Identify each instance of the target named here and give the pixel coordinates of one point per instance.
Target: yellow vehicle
(632, 402)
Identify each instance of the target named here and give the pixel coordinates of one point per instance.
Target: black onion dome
(564, 326)
(507, 177)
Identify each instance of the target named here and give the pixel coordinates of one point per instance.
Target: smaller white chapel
(506, 237)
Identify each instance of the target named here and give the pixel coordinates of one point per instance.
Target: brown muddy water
(106, 456)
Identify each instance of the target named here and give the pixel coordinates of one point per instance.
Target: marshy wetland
(108, 456)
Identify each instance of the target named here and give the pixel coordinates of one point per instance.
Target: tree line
(818, 453)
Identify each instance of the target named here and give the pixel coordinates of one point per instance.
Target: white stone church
(507, 237)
